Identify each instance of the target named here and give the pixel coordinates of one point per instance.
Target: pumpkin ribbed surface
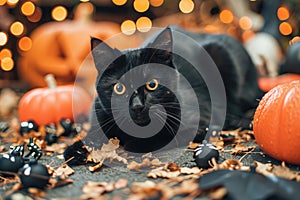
(276, 123)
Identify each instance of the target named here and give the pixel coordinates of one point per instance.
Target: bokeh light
(12, 2)
(2, 2)
(25, 43)
(294, 40)
(285, 28)
(5, 53)
(59, 13)
(128, 27)
(143, 24)
(17, 28)
(245, 23)
(226, 16)
(186, 6)
(283, 13)
(3, 38)
(36, 16)
(141, 5)
(7, 64)
(119, 2)
(156, 3)
(84, 0)
(28, 8)
(246, 35)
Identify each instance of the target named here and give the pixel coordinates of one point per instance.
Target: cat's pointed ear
(103, 54)
(163, 40)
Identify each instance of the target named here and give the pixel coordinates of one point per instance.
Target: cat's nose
(137, 104)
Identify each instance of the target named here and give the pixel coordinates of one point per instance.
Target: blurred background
(34, 31)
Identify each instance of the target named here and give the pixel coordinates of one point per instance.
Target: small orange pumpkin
(50, 105)
(276, 123)
(267, 83)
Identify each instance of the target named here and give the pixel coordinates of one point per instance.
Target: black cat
(135, 104)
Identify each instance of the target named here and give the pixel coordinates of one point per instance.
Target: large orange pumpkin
(276, 123)
(61, 48)
(50, 105)
(267, 83)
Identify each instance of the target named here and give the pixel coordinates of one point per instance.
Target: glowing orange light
(283, 13)
(294, 40)
(5, 53)
(3, 38)
(247, 35)
(36, 16)
(141, 5)
(128, 27)
(28, 8)
(84, 0)
(7, 64)
(119, 2)
(285, 28)
(25, 43)
(12, 2)
(226, 16)
(2, 2)
(59, 13)
(156, 3)
(143, 24)
(17, 28)
(186, 6)
(245, 23)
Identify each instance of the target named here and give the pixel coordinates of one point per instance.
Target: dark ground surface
(107, 174)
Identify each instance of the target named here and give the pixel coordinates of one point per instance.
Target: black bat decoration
(251, 186)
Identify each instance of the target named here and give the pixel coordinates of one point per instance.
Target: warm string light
(3, 38)
(36, 16)
(12, 3)
(119, 2)
(59, 13)
(156, 3)
(128, 27)
(27, 8)
(7, 64)
(226, 16)
(143, 24)
(17, 28)
(141, 5)
(2, 2)
(25, 43)
(285, 28)
(245, 23)
(186, 6)
(283, 13)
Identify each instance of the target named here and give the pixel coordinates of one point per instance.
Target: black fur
(234, 64)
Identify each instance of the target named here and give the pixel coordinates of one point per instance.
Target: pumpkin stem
(50, 80)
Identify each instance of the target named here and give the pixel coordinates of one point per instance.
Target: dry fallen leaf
(171, 170)
(240, 148)
(96, 189)
(133, 165)
(282, 171)
(107, 151)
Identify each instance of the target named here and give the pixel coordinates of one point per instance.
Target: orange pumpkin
(276, 123)
(50, 105)
(267, 83)
(61, 48)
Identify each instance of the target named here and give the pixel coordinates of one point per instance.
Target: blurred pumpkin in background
(51, 104)
(61, 48)
(276, 123)
(267, 83)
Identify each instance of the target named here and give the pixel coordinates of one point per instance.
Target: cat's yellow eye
(119, 88)
(152, 84)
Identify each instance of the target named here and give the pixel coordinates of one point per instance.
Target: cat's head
(138, 63)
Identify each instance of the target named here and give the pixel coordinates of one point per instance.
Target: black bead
(204, 153)
(35, 175)
(67, 126)
(51, 138)
(10, 163)
(78, 153)
(28, 126)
